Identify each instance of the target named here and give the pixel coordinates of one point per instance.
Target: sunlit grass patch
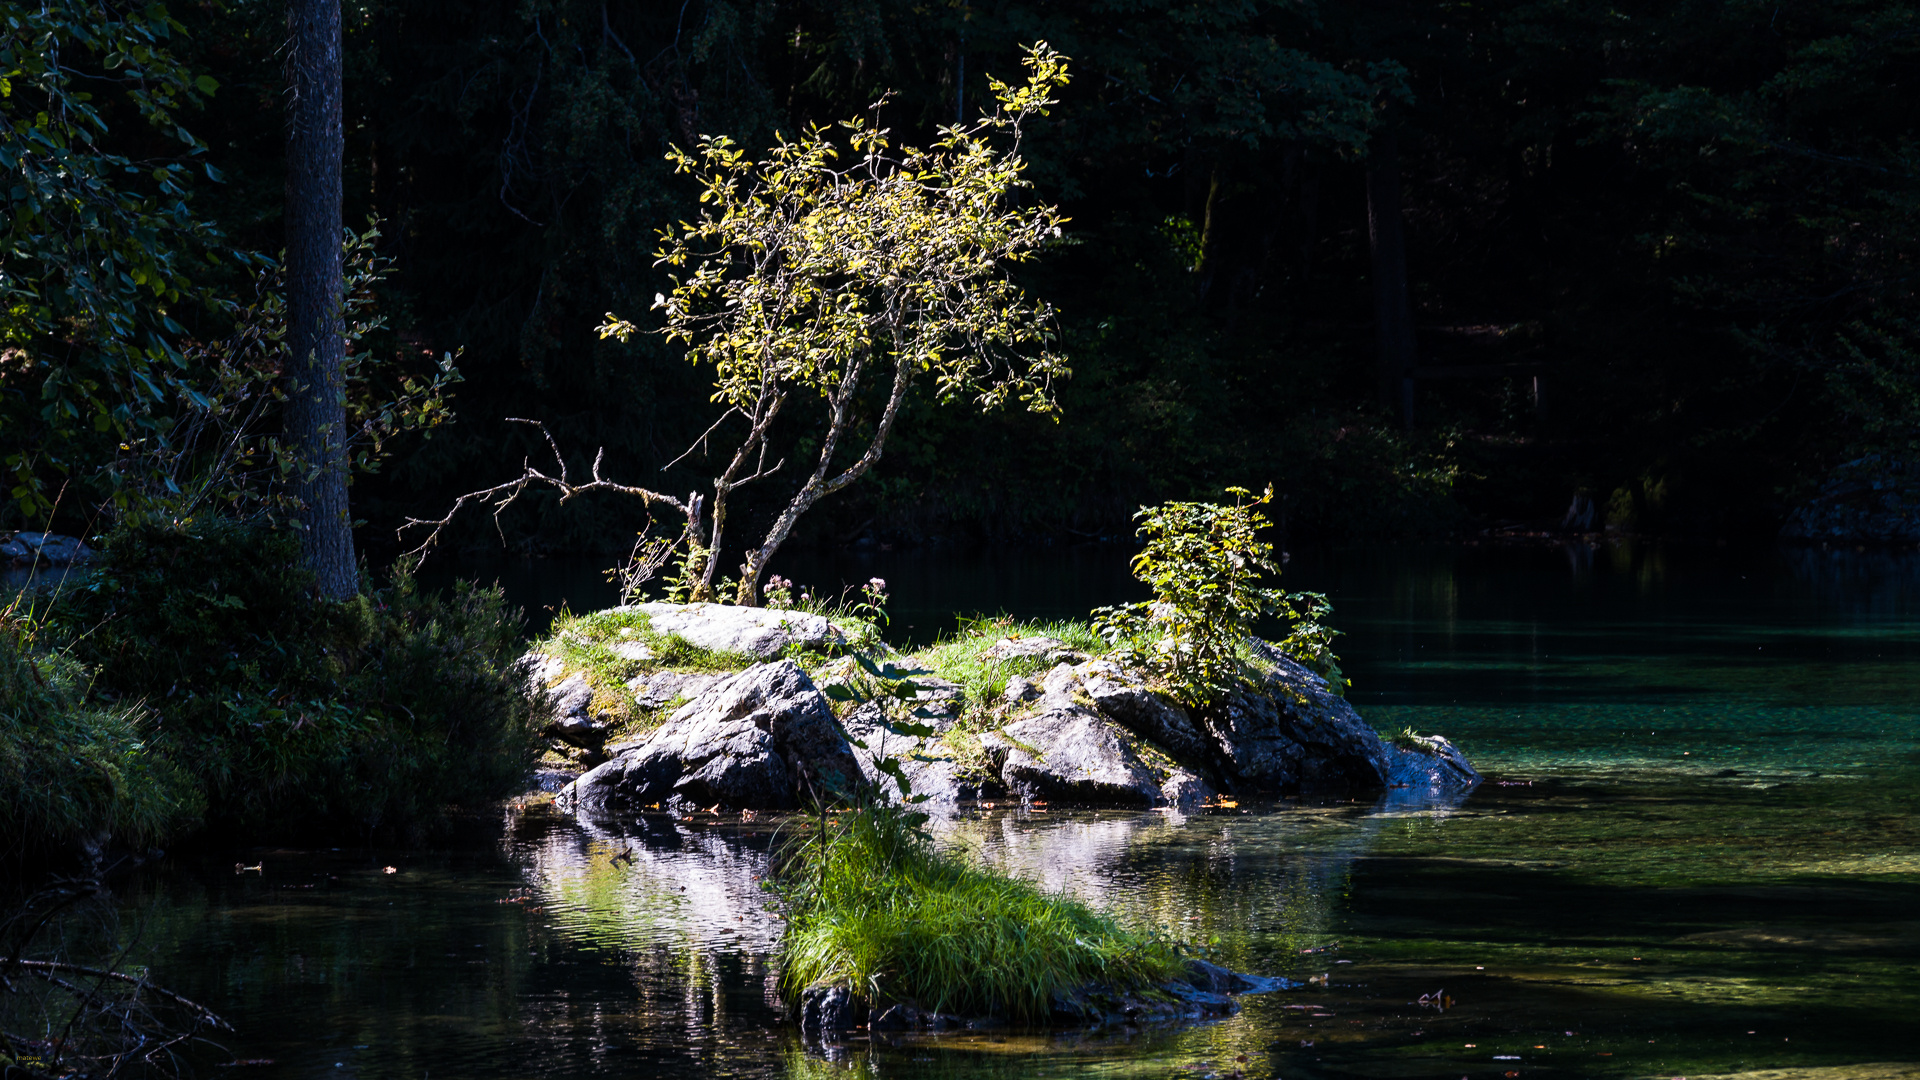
(959, 658)
(871, 905)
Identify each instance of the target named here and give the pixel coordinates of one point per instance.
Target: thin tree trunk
(765, 411)
(817, 486)
(1309, 218)
(1209, 263)
(316, 398)
(1392, 311)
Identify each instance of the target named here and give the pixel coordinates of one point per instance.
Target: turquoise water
(1696, 854)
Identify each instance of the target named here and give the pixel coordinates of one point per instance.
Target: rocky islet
(1086, 731)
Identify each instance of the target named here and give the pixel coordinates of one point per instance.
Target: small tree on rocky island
(1206, 565)
(803, 276)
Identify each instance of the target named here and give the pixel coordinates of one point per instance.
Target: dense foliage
(1208, 568)
(297, 714)
(802, 276)
(99, 246)
(1655, 252)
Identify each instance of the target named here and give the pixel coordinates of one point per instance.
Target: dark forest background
(1656, 255)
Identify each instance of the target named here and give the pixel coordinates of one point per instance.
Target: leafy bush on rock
(1205, 563)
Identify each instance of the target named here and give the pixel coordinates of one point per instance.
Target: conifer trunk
(316, 405)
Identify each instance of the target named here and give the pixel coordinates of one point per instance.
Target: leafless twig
(502, 496)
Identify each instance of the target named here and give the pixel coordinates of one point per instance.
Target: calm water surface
(1696, 854)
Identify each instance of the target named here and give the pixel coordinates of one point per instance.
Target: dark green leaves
(96, 243)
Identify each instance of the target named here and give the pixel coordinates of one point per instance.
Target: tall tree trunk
(1387, 242)
(316, 405)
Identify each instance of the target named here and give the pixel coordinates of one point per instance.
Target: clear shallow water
(1697, 854)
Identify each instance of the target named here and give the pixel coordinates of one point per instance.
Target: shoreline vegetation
(187, 682)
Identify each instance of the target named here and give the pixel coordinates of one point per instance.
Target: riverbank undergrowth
(70, 770)
(292, 715)
(961, 657)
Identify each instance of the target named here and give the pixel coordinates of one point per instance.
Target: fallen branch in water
(45, 968)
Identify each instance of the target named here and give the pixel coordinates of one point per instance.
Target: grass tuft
(69, 769)
(873, 906)
(958, 657)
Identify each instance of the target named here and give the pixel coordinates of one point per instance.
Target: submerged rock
(826, 1011)
(1183, 790)
(1431, 762)
(764, 738)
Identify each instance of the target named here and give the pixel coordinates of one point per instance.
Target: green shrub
(295, 713)
(873, 906)
(1205, 563)
(70, 771)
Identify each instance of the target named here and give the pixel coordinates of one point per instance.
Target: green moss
(871, 905)
(1408, 739)
(587, 645)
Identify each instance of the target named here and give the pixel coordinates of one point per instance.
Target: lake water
(1696, 853)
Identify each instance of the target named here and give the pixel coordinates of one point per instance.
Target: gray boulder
(826, 1011)
(930, 768)
(1125, 696)
(50, 548)
(758, 632)
(1288, 731)
(764, 738)
(572, 720)
(1074, 754)
(655, 689)
(1019, 690)
(1185, 790)
(936, 702)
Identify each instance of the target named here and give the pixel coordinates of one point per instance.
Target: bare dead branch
(504, 495)
(702, 440)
